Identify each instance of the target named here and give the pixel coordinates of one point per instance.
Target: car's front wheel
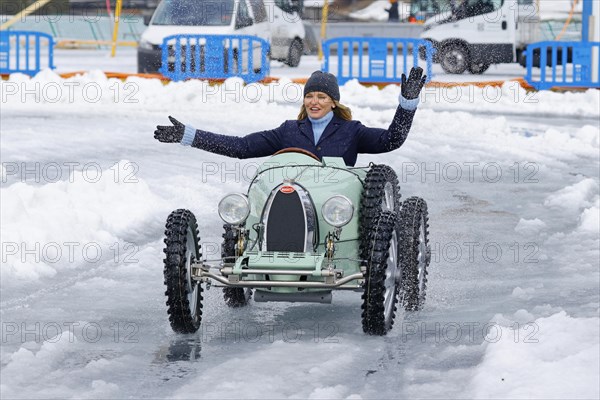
(382, 277)
(184, 294)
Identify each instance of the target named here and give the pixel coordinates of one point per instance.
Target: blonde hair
(340, 111)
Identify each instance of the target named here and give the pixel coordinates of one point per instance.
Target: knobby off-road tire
(234, 297)
(184, 295)
(415, 253)
(382, 277)
(380, 193)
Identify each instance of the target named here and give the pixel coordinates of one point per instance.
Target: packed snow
(511, 179)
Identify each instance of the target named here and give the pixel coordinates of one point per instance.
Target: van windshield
(194, 12)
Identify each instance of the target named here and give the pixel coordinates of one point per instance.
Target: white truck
(473, 34)
(276, 21)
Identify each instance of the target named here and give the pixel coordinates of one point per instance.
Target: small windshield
(194, 12)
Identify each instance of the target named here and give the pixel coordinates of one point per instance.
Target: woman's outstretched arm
(258, 144)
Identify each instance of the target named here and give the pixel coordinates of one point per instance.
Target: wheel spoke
(388, 197)
(422, 256)
(192, 286)
(390, 276)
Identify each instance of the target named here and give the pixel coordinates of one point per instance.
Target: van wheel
(478, 68)
(454, 59)
(295, 53)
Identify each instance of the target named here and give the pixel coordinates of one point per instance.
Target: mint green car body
(322, 180)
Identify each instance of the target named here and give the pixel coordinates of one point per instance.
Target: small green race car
(305, 228)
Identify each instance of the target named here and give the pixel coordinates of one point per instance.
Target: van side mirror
(147, 19)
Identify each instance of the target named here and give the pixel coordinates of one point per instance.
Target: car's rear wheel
(184, 294)
(234, 297)
(382, 276)
(381, 192)
(415, 252)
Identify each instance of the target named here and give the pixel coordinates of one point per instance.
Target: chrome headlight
(234, 208)
(337, 211)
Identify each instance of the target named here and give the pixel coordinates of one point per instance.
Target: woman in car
(324, 126)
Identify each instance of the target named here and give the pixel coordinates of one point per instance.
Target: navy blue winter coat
(340, 138)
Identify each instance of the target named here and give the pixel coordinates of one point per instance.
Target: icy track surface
(512, 184)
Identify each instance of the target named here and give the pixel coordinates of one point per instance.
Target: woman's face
(318, 104)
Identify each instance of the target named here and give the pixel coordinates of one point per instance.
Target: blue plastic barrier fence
(215, 57)
(376, 59)
(564, 64)
(22, 51)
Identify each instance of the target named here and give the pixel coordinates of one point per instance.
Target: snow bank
(590, 218)
(530, 227)
(91, 217)
(94, 91)
(574, 197)
(556, 357)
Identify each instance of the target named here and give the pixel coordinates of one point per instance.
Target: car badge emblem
(287, 189)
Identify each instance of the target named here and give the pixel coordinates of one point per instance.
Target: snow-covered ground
(512, 183)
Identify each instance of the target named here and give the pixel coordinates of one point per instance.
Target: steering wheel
(297, 150)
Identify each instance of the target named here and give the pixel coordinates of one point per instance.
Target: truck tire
(454, 58)
(415, 253)
(184, 294)
(294, 53)
(478, 68)
(234, 297)
(382, 276)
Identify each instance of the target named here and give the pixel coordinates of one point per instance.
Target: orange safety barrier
(302, 81)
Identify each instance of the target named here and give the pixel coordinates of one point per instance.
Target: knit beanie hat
(323, 82)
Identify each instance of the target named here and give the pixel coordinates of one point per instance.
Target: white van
(478, 33)
(277, 21)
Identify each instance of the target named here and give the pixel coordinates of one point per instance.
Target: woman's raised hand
(412, 86)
